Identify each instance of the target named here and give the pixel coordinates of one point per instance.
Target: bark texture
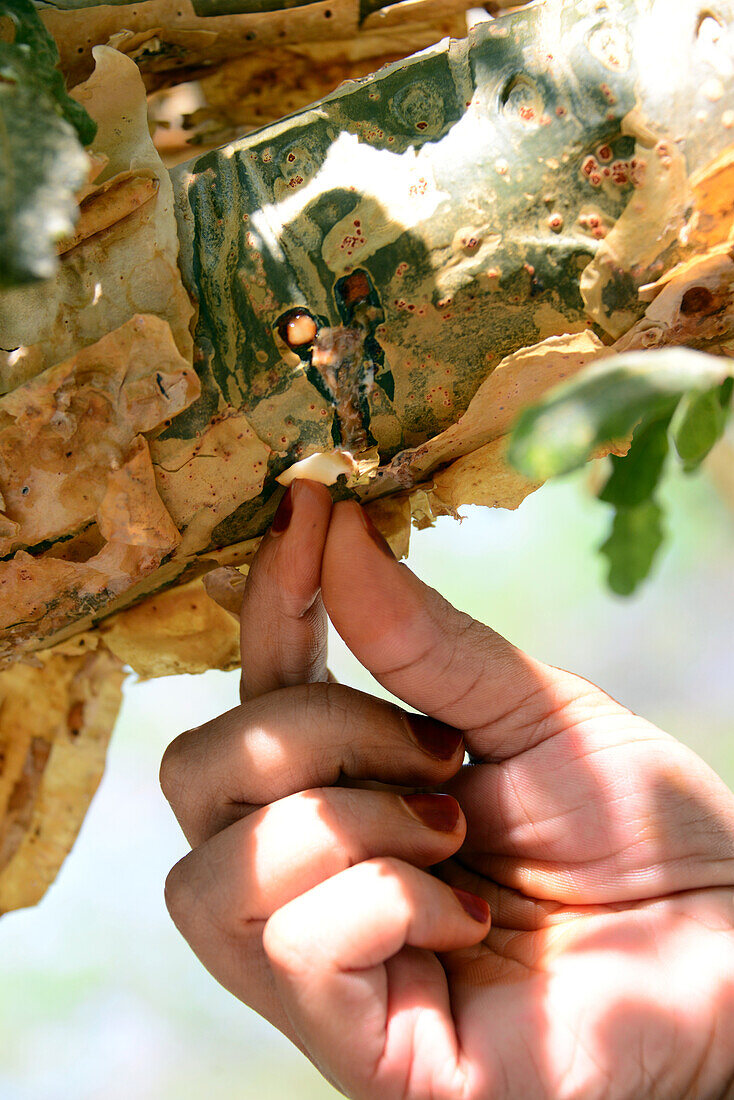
(385, 278)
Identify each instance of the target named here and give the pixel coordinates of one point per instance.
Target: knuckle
(287, 585)
(278, 944)
(322, 698)
(391, 880)
(314, 695)
(338, 712)
(171, 768)
(178, 894)
(331, 707)
(381, 867)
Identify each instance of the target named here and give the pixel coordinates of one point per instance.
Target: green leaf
(726, 389)
(634, 478)
(605, 402)
(698, 424)
(42, 163)
(637, 534)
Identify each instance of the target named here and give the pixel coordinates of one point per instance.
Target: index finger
(283, 628)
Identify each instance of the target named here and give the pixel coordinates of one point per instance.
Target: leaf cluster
(42, 163)
(673, 400)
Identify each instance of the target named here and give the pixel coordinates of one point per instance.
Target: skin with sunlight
(574, 936)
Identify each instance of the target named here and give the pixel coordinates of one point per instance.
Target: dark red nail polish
(437, 811)
(435, 738)
(477, 908)
(282, 517)
(377, 538)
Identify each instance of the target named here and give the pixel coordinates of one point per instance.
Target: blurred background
(102, 999)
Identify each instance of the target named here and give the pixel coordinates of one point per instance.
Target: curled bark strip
(108, 205)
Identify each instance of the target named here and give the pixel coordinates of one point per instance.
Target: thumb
(431, 655)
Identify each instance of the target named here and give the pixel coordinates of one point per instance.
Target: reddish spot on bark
(75, 718)
(638, 171)
(620, 172)
(355, 288)
(697, 299)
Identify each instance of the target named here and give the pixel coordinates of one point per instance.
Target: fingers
(297, 739)
(361, 1019)
(247, 871)
(220, 894)
(282, 619)
(436, 658)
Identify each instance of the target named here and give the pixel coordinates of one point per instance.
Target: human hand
(604, 847)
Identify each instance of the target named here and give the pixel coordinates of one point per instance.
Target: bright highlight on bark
(369, 291)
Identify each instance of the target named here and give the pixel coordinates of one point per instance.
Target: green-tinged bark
(485, 189)
(420, 227)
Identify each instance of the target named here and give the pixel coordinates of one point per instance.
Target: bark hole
(297, 328)
(697, 299)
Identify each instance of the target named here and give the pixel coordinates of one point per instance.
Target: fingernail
(477, 908)
(437, 811)
(282, 517)
(435, 738)
(377, 538)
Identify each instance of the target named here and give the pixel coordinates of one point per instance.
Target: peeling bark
(378, 284)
